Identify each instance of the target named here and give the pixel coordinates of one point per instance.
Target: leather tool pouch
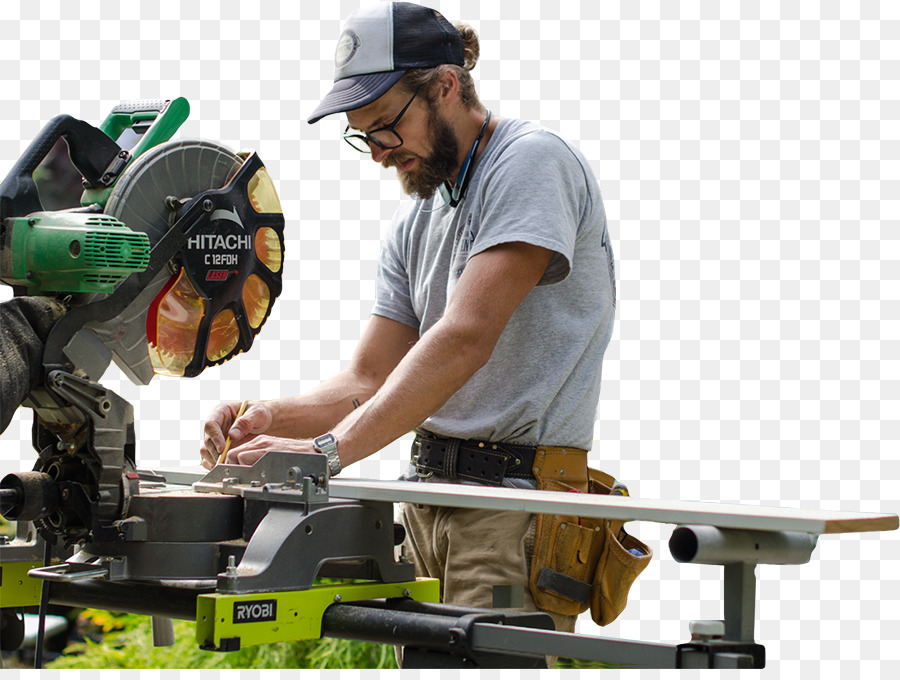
(581, 562)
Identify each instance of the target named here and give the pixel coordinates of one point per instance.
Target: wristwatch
(327, 444)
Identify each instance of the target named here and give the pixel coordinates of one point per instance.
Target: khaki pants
(473, 550)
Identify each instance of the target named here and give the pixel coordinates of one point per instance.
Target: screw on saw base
(231, 569)
(207, 205)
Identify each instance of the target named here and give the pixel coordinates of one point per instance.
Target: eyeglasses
(386, 137)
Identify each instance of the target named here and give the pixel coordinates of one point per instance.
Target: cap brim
(355, 92)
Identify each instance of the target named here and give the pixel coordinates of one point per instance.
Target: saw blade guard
(215, 295)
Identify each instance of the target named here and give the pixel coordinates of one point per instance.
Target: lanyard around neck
(453, 194)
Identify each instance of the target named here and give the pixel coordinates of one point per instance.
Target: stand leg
(740, 601)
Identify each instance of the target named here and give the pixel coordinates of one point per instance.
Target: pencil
(228, 439)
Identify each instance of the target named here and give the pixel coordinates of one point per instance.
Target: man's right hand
(223, 423)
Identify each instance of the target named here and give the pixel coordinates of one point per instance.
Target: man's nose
(379, 153)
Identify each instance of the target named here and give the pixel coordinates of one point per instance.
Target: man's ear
(449, 88)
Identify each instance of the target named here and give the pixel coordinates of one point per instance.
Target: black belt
(479, 461)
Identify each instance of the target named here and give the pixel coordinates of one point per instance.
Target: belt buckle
(415, 460)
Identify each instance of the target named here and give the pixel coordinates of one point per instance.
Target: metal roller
(711, 545)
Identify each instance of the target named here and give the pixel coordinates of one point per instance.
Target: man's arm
(383, 344)
(490, 289)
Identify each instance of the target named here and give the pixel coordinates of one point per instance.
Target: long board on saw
(723, 515)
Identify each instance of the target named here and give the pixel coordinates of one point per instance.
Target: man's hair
(427, 78)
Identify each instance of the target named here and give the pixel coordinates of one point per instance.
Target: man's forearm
(436, 368)
(319, 410)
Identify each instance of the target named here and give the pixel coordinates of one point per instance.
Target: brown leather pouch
(581, 562)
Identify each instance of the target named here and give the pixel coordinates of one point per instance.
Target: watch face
(324, 442)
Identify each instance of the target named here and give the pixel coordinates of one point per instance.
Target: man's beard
(434, 169)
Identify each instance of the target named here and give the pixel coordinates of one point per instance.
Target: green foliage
(129, 645)
(107, 622)
(7, 528)
(563, 662)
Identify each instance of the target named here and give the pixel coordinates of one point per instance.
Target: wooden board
(723, 515)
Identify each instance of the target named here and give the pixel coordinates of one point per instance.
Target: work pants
(473, 550)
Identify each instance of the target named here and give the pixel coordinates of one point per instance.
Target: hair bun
(471, 48)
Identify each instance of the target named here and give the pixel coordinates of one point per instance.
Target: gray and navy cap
(380, 43)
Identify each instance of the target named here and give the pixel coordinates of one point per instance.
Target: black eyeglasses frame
(368, 137)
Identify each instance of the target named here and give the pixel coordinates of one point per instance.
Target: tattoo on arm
(356, 404)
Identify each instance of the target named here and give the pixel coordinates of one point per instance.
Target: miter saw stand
(295, 525)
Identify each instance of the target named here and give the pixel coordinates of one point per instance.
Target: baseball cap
(378, 44)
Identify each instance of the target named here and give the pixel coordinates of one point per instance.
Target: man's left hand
(253, 450)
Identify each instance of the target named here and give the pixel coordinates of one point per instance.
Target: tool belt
(472, 460)
(581, 562)
(578, 562)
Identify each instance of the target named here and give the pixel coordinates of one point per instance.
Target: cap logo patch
(347, 47)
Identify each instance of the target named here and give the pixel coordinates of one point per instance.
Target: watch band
(327, 444)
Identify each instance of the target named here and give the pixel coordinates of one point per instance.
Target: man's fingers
(214, 430)
(256, 419)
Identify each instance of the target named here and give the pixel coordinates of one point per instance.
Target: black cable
(42, 611)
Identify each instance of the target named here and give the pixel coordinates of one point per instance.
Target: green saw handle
(156, 120)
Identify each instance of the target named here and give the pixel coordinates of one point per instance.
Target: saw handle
(91, 151)
(156, 105)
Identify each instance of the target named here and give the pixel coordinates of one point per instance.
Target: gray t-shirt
(542, 382)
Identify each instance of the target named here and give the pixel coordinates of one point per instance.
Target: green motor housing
(69, 252)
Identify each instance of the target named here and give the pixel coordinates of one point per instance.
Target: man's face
(429, 155)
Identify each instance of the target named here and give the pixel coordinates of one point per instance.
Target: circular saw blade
(180, 324)
(182, 169)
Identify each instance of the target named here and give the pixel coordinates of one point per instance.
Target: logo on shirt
(610, 262)
(465, 239)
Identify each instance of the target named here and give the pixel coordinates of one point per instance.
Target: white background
(747, 156)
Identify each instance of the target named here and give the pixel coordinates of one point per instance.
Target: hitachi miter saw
(171, 264)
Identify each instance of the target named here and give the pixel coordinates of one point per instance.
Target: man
(495, 303)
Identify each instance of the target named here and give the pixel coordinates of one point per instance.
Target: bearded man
(495, 303)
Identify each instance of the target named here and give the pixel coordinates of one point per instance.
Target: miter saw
(171, 265)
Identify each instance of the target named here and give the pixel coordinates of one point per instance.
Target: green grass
(131, 647)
